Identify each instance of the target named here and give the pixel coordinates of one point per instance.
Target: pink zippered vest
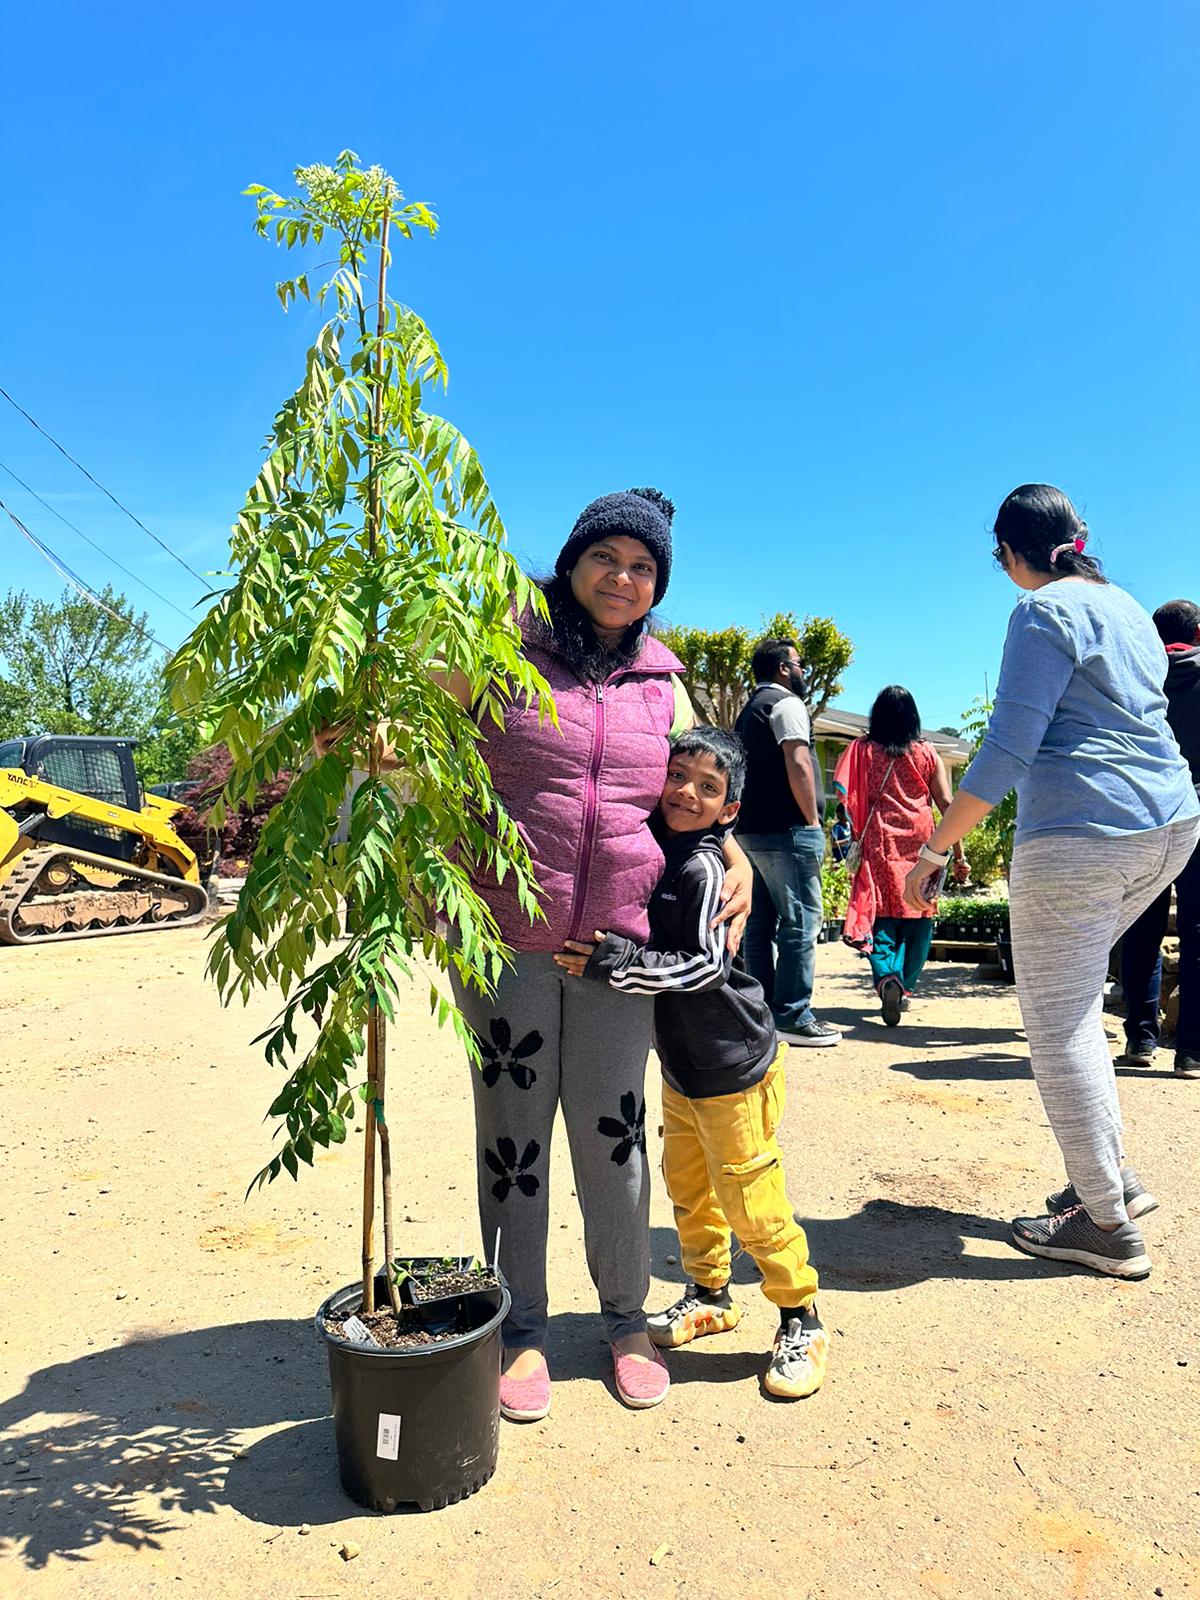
(581, 795)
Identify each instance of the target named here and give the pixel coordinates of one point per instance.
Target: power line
(95, 546)
(63, 451)
(73, 578)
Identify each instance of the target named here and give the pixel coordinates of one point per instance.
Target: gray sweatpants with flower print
(548, 1039)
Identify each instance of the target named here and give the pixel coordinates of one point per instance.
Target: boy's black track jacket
(1183, 704)
(713, 1029)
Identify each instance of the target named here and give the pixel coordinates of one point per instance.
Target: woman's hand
(575, 955)
(736, 894)
(325, 738)
(920, 879)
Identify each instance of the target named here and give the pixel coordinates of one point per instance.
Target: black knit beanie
(643, 514)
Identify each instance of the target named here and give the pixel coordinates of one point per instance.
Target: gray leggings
(1072, 899)
(547, 1038)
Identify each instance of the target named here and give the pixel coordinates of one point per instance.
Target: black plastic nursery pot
(416, 1426)
(1004, 955)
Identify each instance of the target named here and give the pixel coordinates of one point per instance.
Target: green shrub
(961, 917)
(984, 850)
(835, 890)
(988, 847)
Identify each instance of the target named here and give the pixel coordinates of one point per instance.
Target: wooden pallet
(963, 950)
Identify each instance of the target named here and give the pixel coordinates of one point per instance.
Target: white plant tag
(387, 1444)
(354, 1329)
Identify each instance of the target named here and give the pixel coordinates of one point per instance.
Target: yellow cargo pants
(724, 1173)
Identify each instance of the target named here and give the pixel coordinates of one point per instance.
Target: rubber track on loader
(135, 905)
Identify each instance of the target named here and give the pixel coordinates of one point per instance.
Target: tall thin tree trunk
(376, 1022)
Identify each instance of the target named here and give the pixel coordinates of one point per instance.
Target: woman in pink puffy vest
(582, 795)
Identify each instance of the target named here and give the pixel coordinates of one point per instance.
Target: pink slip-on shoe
(526, 1399)
(641, 1384)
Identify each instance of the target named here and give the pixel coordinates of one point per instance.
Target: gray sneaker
(1187, 1067)
(1137, 1055)
(814, 1035)
(1139, 1202)
(1073, 1236)
(891, 997)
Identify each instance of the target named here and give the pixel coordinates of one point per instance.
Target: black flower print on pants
(501, 1055)
(511, 1173)
(630, 1132)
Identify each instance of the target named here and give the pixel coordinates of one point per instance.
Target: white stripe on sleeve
(696, 970)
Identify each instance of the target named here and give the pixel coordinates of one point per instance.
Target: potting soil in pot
(390, 1331)
(451, 1282)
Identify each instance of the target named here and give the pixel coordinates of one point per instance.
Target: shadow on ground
(987, 1067)
(889, 1245)
(943, 980)
(886, 1245)
(120, 1446)
(150, 1433)
(912, 1034)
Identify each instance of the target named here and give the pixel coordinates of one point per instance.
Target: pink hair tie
(1077, 544)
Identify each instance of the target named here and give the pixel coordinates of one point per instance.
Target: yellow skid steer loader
(82, 851)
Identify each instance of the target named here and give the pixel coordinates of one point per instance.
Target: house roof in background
(838, 724)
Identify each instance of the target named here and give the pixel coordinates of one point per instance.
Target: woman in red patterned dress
(890, 781)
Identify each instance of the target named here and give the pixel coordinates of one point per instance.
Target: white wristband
(933, 858)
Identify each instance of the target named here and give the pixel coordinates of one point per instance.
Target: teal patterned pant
(901, 949)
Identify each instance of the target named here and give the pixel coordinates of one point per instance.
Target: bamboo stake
(385, 1158)
(368, 1207)
(376, 1024)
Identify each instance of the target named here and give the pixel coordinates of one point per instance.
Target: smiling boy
(723, 1094)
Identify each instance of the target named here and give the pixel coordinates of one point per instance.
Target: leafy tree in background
(716, 662)
(164, 753)
(66, 666)
(825, 650)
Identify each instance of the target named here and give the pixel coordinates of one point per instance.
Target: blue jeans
(785, 917)
(1141, 966)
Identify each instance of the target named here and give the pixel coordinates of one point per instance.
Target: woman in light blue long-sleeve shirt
(1107, 816)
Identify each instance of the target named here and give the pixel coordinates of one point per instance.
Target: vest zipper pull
(599, 691)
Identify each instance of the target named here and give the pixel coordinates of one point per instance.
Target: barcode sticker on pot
(387, 1445)
(354, 1329)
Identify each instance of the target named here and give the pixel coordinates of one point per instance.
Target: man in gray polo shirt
(780, 828)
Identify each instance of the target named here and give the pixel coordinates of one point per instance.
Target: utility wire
(62, 451)
(73, 578)
(66, 520)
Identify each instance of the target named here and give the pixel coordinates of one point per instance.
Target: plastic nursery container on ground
(422, 1425)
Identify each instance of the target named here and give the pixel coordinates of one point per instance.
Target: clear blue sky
(836, 279)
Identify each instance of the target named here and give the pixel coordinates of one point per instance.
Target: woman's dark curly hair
(573, 634)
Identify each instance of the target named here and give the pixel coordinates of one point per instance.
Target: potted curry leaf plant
(368, 563)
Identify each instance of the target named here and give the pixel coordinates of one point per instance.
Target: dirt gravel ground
(991, 1425)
